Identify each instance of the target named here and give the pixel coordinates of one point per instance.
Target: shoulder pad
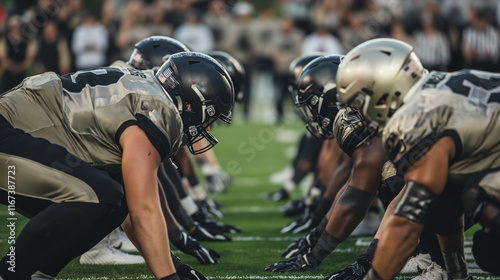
(349, 130)
(388, 170)
(408, 136)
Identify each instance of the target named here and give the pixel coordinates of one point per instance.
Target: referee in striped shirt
(480, 42)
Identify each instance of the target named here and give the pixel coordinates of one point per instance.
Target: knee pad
(474, 200)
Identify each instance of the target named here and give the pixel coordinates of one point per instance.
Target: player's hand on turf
(209, 207)
(205, 234)
(185, 272)
(191, 246)
(293, 208)
(218, 226)
(215, 183)
(299, 263)
(302, 245)
(303, 223)
(280, 195)
(354, 271)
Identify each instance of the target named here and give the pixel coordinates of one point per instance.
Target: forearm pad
(326, 244)
(359, 201)
(415, 203)
(455, 264)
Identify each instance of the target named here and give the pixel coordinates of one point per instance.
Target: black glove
(303, 223)
(293, 208)
(186, 272)
(209, 207)
(215, 184)
(354, 271)
(218, 226)
(191, 246)
(280, 195)
(300, 263)
(309, 261)
(200, 217)
(302, 245)
(205, 234)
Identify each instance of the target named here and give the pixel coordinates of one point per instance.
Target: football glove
(218, 226)
(209, 207)
(186, 272)
(302, 245)
(205, 234)
(301, 224)
(191, 246)
(200, 217)
(354, 271)
(293, 208)
(301, 263)
(280, 195)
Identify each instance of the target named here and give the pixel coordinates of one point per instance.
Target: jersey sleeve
(409, 135)
(349, 130)
(162, 124)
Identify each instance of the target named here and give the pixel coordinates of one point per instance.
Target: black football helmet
(235, 70)
(153, 51)
(203, 92)
(294, 70)
(317, 91)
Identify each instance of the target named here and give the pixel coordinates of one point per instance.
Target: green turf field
(250, 153)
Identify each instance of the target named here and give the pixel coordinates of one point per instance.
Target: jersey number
(77, 81)
(481, 90)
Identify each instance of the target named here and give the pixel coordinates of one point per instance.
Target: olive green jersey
(87, 111)
(464, 105)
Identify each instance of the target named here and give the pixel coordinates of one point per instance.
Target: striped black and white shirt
(433, 50)
(485, 44)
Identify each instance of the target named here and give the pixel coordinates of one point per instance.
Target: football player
(59, 136)
(440, 130)
(317, 91)
(150, 53)
(347, 125)
(309, 146)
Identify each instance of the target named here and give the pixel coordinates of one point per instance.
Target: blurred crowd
(64, 35)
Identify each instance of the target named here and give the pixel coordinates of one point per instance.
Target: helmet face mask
(202, 91)
(294, 71)
(317, 94)
(376, 76)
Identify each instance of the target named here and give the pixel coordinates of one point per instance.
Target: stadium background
(262, 140)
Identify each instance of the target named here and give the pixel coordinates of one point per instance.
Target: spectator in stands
(431, 45)
(321, 41)
(286, 49)
(53, 52)
(355, 32)
(398, 32)
(238, 44)
(480, 42)
(195, 34)
(218, 18)
(17, 53)
(89, 44)
(263, 29)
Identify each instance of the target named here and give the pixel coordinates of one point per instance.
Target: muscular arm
(140, 162)
(365, 176)
(401, 235)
